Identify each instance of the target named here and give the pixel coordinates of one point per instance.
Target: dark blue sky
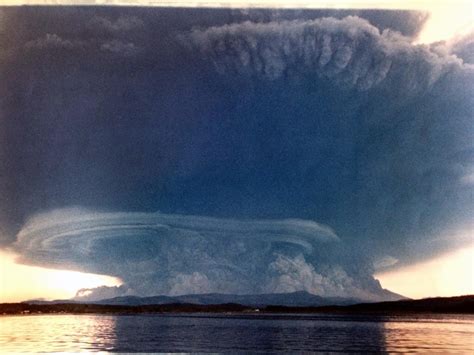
(239, 117)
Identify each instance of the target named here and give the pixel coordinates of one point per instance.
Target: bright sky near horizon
(22, 282)
(451, 274)
(447, 275)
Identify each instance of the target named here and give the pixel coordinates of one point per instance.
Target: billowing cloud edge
(156, 253)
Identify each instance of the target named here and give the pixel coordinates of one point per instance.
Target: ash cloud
(53, 41)
(123, 48)
(463, 47)
(349, 51)
(156, 253)
(122, 23)
(262, 121)
(102, 293)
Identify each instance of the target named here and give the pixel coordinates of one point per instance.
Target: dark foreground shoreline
(460, 305)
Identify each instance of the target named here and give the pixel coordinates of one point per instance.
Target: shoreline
(442, 305)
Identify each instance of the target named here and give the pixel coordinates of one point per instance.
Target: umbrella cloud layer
(155, 253)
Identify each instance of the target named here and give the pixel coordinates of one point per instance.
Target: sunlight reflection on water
(57, 333)
(207, 333)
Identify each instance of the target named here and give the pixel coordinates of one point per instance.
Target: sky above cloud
(230, 150)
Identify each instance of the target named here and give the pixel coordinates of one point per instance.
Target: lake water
(214, 333)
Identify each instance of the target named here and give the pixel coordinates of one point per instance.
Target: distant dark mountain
(458, 304)
(45, 302)
(138, 301)
(294, 299)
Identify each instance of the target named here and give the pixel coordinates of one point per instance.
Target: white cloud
(296, 274)
(51, 40)
(101, 292)
(350, 52)
(126, 49)
(384, 262)
(123, 23)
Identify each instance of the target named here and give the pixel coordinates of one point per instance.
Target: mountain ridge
(291, 299)
(435, 305)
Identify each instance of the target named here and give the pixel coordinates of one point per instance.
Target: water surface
(215, 332)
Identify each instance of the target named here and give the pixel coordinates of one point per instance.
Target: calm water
(212, 333)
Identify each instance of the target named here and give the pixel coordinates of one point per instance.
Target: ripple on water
(211, 333)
